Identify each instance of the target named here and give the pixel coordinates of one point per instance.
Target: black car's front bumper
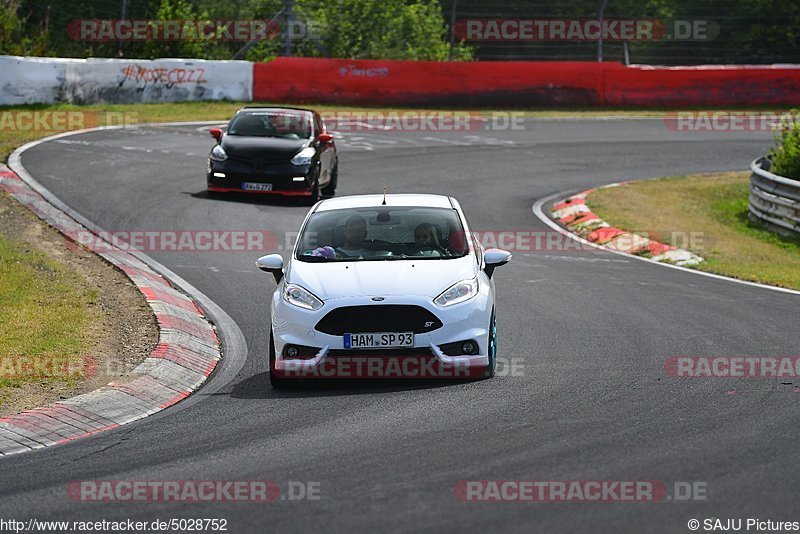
(230, 176)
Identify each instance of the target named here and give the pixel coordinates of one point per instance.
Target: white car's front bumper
(469, 320)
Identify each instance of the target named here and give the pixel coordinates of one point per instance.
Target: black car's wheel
(278, 382)
(489, 370)
(315, 194)
(330, 189)
(315, 191)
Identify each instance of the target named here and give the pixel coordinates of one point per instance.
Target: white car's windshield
(384, 233)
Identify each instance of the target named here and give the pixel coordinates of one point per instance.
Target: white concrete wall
(87, 81)
(31, 80)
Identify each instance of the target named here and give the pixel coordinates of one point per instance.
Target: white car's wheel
(489, 370)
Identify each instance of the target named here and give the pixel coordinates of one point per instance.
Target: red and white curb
(577, 217)
(188, 350)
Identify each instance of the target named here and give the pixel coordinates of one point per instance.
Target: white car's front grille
(379, 318)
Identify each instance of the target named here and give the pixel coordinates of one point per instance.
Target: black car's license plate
(251, 186)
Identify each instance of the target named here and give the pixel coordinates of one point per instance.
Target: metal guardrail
(774, 200)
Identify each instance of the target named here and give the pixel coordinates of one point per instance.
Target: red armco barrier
(426, 83)
(709, 85)
(520, 83)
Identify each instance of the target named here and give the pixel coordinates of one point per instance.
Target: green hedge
(786, 155)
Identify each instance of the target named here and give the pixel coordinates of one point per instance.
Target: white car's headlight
(218, 153)
(458, 292)
(301, 297)
(304, 157)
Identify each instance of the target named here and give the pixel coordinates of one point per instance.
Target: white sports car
(384, 286)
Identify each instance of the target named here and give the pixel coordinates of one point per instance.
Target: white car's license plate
(250, 186)
(379, 340)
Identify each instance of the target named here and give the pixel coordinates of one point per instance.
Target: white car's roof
(367, 201)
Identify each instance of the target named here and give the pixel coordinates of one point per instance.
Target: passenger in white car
(426, 239)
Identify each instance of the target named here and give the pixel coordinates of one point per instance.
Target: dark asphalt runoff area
(589, 333)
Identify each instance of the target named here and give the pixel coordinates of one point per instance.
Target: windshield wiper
(314, 259)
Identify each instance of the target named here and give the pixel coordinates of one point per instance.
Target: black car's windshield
(383, 233)
(272, 123)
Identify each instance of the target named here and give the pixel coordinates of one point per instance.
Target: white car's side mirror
(272, 263)
(493, 258)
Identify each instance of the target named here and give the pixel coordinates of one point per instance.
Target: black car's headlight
(218, 153)
(304, 157)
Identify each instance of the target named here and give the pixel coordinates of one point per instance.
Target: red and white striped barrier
(574, 213)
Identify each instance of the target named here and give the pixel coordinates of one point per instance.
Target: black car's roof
(272, 108)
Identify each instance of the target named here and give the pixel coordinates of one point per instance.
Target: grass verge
(706, 214)
(69, 322)
(45, 312)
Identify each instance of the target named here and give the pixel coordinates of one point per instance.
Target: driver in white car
(355, 232)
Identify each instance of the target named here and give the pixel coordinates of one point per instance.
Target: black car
(284, 151)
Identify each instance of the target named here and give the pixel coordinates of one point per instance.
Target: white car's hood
(381, 278)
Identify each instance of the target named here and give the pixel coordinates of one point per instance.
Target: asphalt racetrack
(589, 333)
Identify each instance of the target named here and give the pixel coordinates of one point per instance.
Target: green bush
(786, 155)
(182, 10)
(378, 29)
(15, 40)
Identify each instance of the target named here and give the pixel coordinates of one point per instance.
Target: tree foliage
(388, 29)
(15, 38)
(378, 29)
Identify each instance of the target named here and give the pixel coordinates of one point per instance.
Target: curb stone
(574, 213)
(187, 352)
